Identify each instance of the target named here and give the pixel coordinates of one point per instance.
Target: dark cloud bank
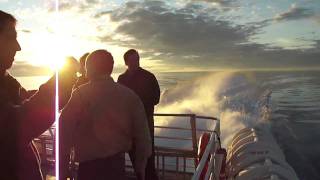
(295, 13)
(198, 36)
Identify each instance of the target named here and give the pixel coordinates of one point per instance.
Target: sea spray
(233, 97)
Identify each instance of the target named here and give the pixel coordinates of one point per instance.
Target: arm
(36, 114)
(70, 115)
(24, 94)
(141, 137)
(155, 90)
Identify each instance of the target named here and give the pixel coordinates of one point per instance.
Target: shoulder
(82, 89)
(142, 70)
(124, 89)
(127, 92)
(12, 81)
(122, 76)
(147, 73)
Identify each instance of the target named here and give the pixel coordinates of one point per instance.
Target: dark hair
(99, 62)
(71, 64)
(83, 59)
(130, 52)
(5, 18)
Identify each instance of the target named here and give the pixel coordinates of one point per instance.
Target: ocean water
(287, 102)
(32, 82)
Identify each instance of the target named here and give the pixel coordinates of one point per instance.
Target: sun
(49, 50)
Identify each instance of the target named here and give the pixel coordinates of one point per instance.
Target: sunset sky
(172, 35)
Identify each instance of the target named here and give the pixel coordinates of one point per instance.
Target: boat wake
(237, 98)
(234, 97)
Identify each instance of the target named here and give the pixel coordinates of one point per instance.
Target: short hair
(99, 63)
(130, 52)
(5, 18)
(83, 59)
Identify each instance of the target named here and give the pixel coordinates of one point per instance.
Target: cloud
(183, 32)
(222, 5)
(100, 14)
(77, 5)
(221, 2)
(26, 31)
(192, 36)
(22, 68)
(294, 13)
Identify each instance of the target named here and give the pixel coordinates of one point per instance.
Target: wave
(234, 97)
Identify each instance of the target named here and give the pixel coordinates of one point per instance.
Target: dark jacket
(80, 81)
(20, 122)
(11, 91)
(145, 85)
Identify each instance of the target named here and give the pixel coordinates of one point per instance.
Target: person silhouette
(146, 86)
(21, 119)
(102, 120)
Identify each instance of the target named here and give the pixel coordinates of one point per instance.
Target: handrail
(210, 166)
(178, 128)
(193, 118)
(207, 117)
(204, 158)
(186, 115)
(173, 138)
(214, 164)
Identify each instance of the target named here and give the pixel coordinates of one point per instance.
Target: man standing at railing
(146, 86)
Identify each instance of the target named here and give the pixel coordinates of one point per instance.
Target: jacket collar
(134, 72)
(108, 79)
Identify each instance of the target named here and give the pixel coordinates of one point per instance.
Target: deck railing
(188, 156)
(215, 162)
(171, 162)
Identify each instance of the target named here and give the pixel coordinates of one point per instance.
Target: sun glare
(50, 46)
(51, 52)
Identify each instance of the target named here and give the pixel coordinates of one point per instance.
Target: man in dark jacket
(21, 120)
(146, 86)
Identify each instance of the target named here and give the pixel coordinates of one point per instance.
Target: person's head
(83, 59)
(71, 65)
(8, 40)
(131, 59)
(99, 63)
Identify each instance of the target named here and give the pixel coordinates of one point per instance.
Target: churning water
(287, 103)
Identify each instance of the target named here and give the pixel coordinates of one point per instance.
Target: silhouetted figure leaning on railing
(101, 122)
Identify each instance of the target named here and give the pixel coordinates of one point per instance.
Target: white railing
(215, 162)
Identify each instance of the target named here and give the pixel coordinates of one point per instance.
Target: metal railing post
(194, 135)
